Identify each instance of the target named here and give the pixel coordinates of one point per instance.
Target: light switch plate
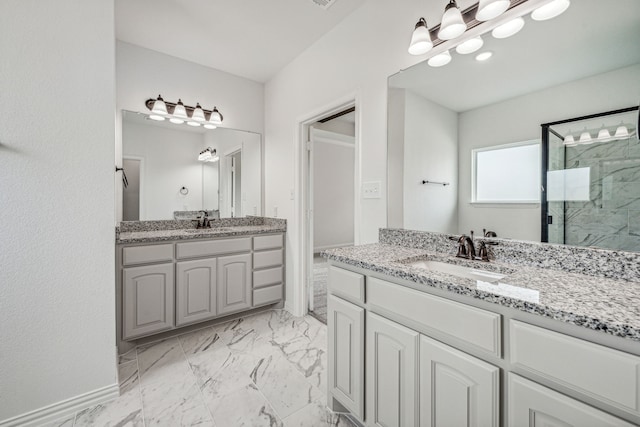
(371, 190)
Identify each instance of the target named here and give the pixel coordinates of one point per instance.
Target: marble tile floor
(268, 369)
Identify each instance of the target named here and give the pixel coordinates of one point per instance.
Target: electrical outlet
(371, 190)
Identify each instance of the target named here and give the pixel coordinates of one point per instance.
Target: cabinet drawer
(475, 326)
(608, 375)
(263, 278)
(267, 242)
(346, 284)
(150, 253)
(267, 259)
(531, 404)
(267, 295)
(212, 247)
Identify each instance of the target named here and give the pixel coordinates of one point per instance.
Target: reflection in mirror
(167, 181)
(582, 62)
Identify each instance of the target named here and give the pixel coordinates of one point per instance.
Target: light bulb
(508, 28)
(452, 24)
(420, 39)
(489, 9)
(156, 117)
(550, 10)
(439, 60)
(470, 46)
(176, 121)
(210, 126)
(159, 107)
(194, 124)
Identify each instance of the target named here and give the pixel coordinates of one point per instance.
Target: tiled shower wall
(611, 219)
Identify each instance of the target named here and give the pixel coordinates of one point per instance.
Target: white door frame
(302, 269)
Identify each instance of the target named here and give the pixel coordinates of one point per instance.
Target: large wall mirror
(464, 139)
(166, 179)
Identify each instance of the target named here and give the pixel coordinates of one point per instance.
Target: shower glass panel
(591, 181)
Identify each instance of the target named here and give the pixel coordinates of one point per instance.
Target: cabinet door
(533, 405)
(456, 389)
(147, 300)
(345, 324)
(234, 283)
(195, 291)
(391, 373)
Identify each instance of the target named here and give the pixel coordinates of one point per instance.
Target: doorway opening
(331, 198)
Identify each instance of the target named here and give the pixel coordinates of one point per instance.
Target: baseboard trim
(64, 408)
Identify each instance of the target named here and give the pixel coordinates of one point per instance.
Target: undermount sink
(458, 270)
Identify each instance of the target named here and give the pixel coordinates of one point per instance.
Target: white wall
(169, 163)
(430, 153)
(57, 303)
(337, 126)
(142, 74)
(354, 59)
(333, 189)
(519, 119)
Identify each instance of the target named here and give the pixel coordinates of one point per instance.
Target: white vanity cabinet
(456, 389)
(148, 305)
(392, 377)
(234, 283)
(196, 291)
(434, 361)
(533, 405)
(345, 325)
(168, 285)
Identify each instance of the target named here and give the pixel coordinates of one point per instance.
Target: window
(506, 173)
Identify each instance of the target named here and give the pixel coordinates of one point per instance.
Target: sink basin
(458, 270)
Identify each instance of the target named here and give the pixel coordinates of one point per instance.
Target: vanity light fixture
(198, 114)
(489, 9)
(621, 132)
(484, 56)
(604, 135)
(585, 138)
(208, 155)
(421, 42)
(179, 113)
(550, 10)
(470, 46)
(569, 141)
(508, 28)
(215, 118)
(440, 59)
(452, 24)
(159, 107)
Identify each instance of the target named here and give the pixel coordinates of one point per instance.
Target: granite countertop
(608, 305)
(146, 236)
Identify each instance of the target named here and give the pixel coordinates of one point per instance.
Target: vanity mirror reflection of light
(582, 62)
(174, 184)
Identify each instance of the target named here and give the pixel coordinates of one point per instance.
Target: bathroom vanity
(170, 275)
(544, 335)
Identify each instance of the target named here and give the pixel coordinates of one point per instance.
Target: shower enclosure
(591, 181)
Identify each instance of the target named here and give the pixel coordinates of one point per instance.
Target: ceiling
(249, 38)
(590, 38)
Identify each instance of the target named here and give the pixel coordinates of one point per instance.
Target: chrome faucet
(466, 248)
(203, 220)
